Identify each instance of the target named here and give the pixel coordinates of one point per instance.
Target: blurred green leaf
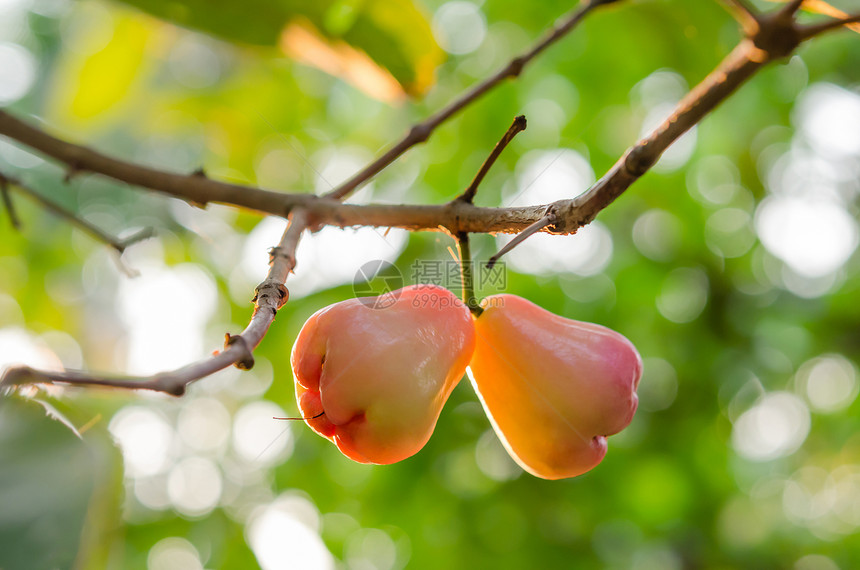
(59, 490)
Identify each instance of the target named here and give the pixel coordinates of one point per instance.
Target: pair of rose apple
(374, 380)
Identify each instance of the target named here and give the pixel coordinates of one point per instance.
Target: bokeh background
(731, 265)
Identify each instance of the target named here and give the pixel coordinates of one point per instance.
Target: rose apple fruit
(553, 388)
(373, 378)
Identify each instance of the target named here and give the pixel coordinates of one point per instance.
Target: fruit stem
(466, 267)
(319, 415)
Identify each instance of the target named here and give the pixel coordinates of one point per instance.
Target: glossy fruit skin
(553, 388)
(380, 376)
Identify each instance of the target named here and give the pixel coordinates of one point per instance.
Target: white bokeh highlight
(829, 383)
(459, 27)
(657, 234)
(173, 553)
(776, 426)
(805, 222)
(544, 177)
(281, 537)
(194, 486)
(684, 294)
(260, 439)
(18, 347)
(145, 438)
(204, 424)
(17, 72)
(814, 237)
(325, 259)
(829, 116)
(165, 311)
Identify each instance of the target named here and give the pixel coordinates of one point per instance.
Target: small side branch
(822, 7)
(422, 131)
(742, 6)
(776, 36)
(744, 13)
(517, 126)
(791, 7)
(548, 220)
(192, 187)
(852, 22)
(118, 244)
(238, 349)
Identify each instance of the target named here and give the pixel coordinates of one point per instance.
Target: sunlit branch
(193, 187)
(422, 131)
(777, 36)
(238, 349)
(791, 8)
(807, 32)
(743, 6)
(744, 13)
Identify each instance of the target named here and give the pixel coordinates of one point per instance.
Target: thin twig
(743, 6)
(7, 202)
(238, 349)
(822, 7)
(744, 13)
(791, 8)
(546, 221)
(517, 126)
(192, 187)
(118, 244)
(200, 190)
(807, 32)
(422, 131)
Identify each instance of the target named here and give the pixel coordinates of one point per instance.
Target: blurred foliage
(61, 492)
(744, 452)
(395, 34)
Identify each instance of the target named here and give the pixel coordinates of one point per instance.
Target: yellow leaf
(96, 82)
(302, 42)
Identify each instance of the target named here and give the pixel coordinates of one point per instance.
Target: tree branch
(201, 190)
(741, 64)
(791, 7)
(422, 131)
(194, 188)
(777, 36)
(238, 349)
(808, 32)
(536, 227)
(744, 13)
(118, 244)
(517, 126)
